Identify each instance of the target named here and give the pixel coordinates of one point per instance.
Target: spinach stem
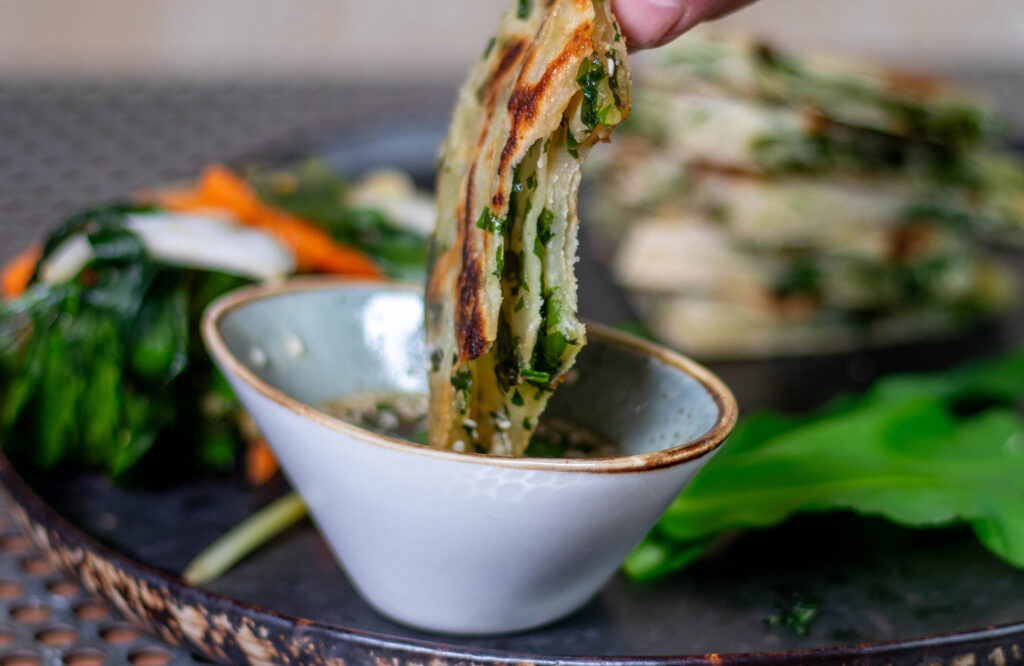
(244, 538)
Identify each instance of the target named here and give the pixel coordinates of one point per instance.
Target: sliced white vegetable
(191, 241)
(416, 213)
(393, 193)
(67, 260)
(201, 242)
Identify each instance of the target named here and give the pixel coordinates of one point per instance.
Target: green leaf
(137, 436)
(654, 558)
(544, 222)
(903, 451)
(488, 221)
(487, 52)
(536, 376)
(590, 74)
(99, 419)
(60, 392)
(544, 447)
(217, 451)
(554, 345)
(159, 337)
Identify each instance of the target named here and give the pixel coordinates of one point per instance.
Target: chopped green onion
(536, 376)
(490, 222)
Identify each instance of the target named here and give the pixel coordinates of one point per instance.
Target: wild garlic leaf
(904, 451)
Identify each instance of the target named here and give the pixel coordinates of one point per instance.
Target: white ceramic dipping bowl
(455, 542)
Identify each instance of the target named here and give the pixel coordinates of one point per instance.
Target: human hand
(650, 23)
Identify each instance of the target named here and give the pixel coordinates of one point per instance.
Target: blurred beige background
(415, 39)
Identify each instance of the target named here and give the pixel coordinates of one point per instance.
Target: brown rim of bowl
(643, 462)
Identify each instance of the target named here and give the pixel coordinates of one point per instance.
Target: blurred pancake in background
(760, 203)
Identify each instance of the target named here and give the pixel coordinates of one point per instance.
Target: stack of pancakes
(761, 204)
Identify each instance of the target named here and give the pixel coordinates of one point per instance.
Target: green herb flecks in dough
(501, 298)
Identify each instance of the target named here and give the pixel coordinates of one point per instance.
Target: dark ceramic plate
(883, 594)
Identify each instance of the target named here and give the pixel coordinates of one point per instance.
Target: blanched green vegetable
(101, 367)
(920, 450)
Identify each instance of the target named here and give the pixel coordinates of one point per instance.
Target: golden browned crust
(525, 97)
(523, 93)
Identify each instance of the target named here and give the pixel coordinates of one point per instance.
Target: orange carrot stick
(260, 463)
(315, 250)
(18, 271)
(220, 186)
(180, 200)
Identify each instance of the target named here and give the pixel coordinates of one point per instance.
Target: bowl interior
(318, 342)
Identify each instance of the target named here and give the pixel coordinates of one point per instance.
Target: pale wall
(402, 39)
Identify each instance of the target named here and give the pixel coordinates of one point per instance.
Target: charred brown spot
(912, 84)
(491, 88)
(470, 321)
(509, 55)
(816, 122)
(907, 243)
(509, 149)
(469, 326)
(469, 315)
(490, 91)
(522, 104)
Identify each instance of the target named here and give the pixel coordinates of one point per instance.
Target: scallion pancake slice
(501, 297)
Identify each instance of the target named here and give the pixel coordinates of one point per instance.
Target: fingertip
(647, 23)
(650, 23)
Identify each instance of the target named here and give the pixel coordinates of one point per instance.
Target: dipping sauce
(404, 416)
(399, 415)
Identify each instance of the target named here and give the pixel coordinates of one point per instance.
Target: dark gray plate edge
(232, 631)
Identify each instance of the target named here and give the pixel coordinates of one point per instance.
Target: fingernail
(685, 22)
(682, 22)
(646, 22)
